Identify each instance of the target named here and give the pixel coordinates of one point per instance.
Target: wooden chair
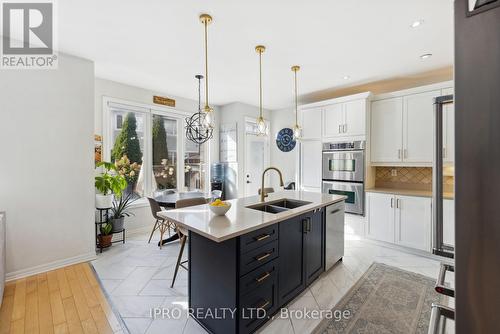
(161, 223)
(183, 233)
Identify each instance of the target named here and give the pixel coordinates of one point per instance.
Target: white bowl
(220, 210)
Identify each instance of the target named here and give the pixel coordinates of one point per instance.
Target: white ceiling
(158, 44)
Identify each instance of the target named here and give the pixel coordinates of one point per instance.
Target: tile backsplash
(420, 177)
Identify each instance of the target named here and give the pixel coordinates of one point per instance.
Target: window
(194, 166)
(148, 146)
(127, 149)
(164, 135)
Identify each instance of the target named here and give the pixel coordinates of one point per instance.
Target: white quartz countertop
(239, 219)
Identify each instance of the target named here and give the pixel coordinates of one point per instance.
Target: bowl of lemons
(219, 208)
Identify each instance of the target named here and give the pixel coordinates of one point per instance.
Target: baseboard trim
(50, 266)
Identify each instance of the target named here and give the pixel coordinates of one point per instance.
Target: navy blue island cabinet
(237, 285)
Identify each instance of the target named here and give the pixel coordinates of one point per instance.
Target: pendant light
(196, 130)
(261, 123)
(297, 130)
(209, 112)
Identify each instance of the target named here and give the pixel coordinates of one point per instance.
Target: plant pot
(105, 240)
(117, 224)
(103, 201)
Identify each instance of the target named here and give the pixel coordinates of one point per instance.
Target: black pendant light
(196, 129)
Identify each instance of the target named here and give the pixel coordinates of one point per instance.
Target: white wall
(285, 161)
(143, 219)
(46, 172)
(235, 113)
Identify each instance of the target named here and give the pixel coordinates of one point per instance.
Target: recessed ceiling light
(346, 77)
(425, 56)
(417, 23)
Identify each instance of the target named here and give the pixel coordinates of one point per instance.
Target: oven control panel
(343, 146)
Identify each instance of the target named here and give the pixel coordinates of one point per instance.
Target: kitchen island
(247, 264)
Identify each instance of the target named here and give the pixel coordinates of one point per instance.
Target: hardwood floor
(66, 300)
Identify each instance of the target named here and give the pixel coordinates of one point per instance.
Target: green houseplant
(106, 235)
(121, 209)
(108, 184)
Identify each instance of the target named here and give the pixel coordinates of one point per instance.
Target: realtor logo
(28, 35)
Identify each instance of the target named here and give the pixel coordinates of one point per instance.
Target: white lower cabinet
(380, 216)
(403, 220)
(413, 222)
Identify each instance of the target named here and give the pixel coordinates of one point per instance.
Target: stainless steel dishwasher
(334, 242)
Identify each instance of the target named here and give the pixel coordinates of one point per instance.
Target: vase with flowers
(130, 171)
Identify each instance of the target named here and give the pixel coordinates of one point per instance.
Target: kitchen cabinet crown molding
(341, 99)
(415, 90)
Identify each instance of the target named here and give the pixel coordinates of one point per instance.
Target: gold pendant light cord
(260, 82)
(206, 65)
(296, 103)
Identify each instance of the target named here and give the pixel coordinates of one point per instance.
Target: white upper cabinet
(402, 129)
(311, 123)
(345, 119)
(334, 120)
(418, 129)
(448, 130)
(387, 130)
(413, 222)
(355, 118)
(311, 154)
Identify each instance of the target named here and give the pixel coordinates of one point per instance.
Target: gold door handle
(264, 305)
(263, 277)
(262, 257)
(262, 237)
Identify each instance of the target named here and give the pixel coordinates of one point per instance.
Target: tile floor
(137, 277)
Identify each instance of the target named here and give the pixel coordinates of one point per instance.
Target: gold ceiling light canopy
(297, 130)
(261, 123)
(206, 19)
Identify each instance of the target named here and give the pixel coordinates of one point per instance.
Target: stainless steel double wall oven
(344, 173)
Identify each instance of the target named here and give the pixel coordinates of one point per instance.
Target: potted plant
(108, 184)
(106, 235)
(121, 209)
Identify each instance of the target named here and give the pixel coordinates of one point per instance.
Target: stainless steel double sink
(278, 205)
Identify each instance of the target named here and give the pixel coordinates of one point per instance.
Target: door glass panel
(351, 195)
(342, 165)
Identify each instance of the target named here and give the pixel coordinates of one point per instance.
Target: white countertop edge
(275, 218)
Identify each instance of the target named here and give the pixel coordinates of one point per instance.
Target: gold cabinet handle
(264, 305)
(262, 237)
(263, 277)
(262, 257)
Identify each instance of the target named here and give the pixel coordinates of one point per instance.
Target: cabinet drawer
(256, 307)
(257, 257)
(259, 277)
(258, 238)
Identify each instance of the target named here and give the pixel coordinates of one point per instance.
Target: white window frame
(109, 103)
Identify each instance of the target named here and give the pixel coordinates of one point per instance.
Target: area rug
(384, 300)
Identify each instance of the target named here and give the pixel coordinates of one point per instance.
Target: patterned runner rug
(385, 300)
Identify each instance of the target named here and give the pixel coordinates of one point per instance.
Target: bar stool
(183, 233)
